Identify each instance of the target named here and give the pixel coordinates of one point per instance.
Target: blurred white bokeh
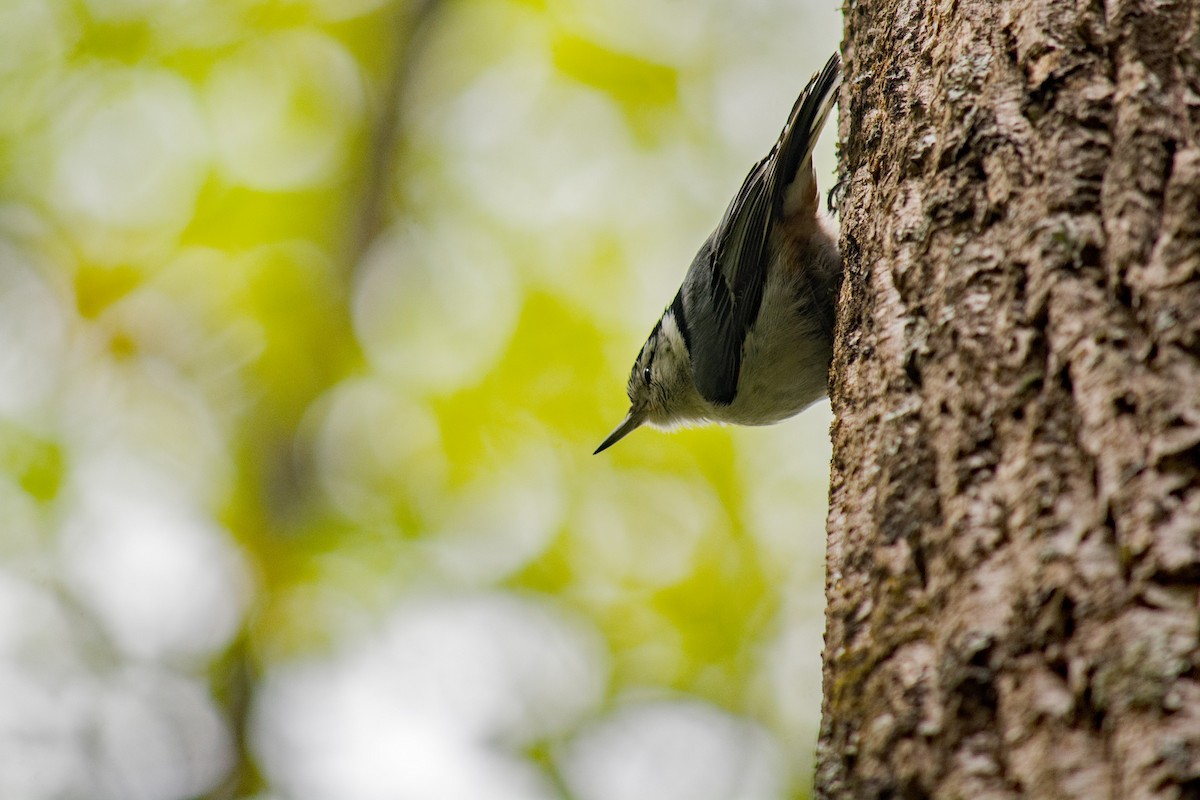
(673, 750)
(152, 734)
(434, 304)
(33, 33)
(133, 153)
(78, 722)
(374, 448)
(283, 108)
(443, 701)
(502, 520)
(639, 528)
(536, 182)
(33, 334)
(162, 577)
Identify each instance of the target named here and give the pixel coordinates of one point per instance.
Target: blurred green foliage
(357, 285)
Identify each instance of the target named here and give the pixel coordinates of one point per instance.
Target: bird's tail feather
(799, 136)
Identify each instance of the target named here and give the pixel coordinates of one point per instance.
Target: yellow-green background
(311, 314)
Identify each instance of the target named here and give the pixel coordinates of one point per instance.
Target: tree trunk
(1014, 531)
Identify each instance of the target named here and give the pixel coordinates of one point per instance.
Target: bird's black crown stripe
(680, 320)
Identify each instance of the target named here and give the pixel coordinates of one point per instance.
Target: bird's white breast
(785, 362)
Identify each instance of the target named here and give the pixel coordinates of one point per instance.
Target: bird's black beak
(632, 421)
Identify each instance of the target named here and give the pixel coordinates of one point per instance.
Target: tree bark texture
(1014, 551)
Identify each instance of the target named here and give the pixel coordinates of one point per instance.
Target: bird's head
(661, 389)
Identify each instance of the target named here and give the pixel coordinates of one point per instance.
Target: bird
(748, 339)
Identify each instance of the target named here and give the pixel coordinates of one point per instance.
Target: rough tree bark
(1014, 551)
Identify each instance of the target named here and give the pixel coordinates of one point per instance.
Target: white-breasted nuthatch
(749, 337)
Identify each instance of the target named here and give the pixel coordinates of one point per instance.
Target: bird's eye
(646, 375)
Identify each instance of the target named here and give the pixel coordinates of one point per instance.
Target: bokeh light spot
(135, 152)
(165, 581)
(33, 333)
(436, 305)
(283, 107)
(422, 708)
(673, 750)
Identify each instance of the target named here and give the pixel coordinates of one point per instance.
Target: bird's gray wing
(724, 288)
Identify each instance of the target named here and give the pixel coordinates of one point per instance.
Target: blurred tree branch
(238, 673)
(235, 677)
(409, 23)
